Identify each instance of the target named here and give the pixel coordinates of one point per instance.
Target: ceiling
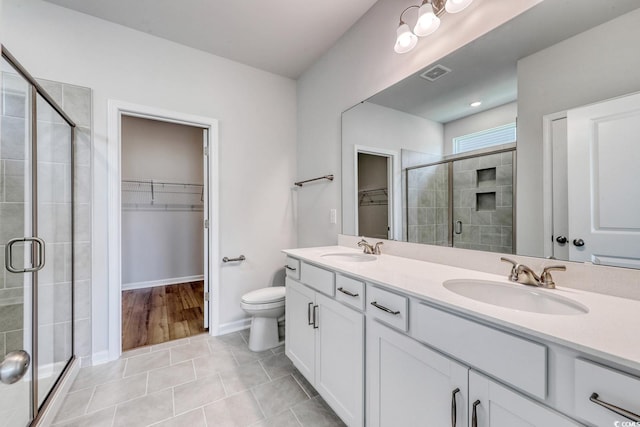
(486, 69)
(281, 36)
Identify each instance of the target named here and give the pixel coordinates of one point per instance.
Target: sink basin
(349, 257)
(516, 297)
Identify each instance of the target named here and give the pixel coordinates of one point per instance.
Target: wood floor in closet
(162, 313)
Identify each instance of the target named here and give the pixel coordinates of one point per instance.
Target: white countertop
(610, 330)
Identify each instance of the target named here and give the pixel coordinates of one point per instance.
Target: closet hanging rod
(300, 183)
(153, 182)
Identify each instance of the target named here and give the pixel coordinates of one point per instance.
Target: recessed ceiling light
(475, 104)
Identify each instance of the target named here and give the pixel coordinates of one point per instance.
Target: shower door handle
(13, 367)
(458, 227)
(8, 256)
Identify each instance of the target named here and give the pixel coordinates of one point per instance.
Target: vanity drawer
(318, 278)
(388, 307)
(612, 387)
(513, 360)
(292, 268)
(350, 291)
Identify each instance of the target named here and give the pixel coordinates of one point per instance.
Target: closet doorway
(164, 244)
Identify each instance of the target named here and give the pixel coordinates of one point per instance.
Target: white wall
(360, 64)
(257, 119)
(372, 125)
(161, 245)
(488, 119)
(598, 64)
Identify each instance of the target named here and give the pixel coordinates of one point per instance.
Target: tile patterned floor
(198, 381)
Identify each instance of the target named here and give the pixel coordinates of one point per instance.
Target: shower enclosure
(36, 243)
(464, 202)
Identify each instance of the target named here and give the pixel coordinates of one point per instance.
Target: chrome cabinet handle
(309, 314)
(240, 258)
(346, 292)
(454, 409)
(289, 268)
(474, 414)
(8, 256)
(315, 317)
(385, 309)
(613, 408)
(578, 243)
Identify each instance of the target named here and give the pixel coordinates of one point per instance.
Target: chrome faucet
(370, 249)
(520, 273)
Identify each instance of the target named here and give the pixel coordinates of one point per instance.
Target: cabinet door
(501, 407)
(340, 359)
(409, 384)
(299, 332)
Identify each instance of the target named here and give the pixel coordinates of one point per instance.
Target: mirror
(420, 164)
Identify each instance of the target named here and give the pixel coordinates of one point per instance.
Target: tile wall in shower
(428, 205)
(483, 203)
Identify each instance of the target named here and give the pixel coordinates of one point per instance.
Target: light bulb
(475, 104)
(427, 22)
(405, 40)
(455, 6)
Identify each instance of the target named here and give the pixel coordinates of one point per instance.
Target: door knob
(14, 365)
(561, 239)
(578, 242)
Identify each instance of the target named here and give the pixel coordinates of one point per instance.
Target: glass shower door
(16, 407)
(483, 202)
(54, 226)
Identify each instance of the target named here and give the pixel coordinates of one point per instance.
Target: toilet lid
(264, 295)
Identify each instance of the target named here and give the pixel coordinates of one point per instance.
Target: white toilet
(266, 305)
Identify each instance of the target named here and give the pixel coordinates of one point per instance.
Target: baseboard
(52, 408)
(238, 325)
(162, 282)
(100, 357)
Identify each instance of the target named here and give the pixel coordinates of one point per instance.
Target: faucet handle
(513, 276)
(376, 249)
(545, 278)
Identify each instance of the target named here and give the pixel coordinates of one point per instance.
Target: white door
(411, 385)
(299, 331)
(603, 177)
(340, 359)
(205, 200)
(493, 405)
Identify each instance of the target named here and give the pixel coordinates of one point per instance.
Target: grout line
(93, 393)
(265, 371)
(296, 417)
(204, 414)
(301, 386)
(251, 390)
(173, 400)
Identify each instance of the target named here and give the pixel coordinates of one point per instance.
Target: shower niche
(463, 201)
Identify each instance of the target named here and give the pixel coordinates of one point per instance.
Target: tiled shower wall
(76, 102)
(483, 202)
(428, 205)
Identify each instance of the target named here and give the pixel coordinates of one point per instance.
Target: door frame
(547, 179)
(394, 183)
(117, 109)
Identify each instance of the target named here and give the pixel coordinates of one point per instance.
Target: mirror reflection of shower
(463, 201)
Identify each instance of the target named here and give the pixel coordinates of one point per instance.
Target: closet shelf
(373, 197)
(150, 194)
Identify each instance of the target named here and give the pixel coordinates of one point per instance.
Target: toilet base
(263, 334)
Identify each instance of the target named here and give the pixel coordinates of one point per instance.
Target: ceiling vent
(434, 73)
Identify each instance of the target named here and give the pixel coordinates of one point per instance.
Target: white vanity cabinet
(325, 341)
(409, 384)
(494, 405)
(421, 363)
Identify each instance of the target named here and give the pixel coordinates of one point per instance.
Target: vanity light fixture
(428, 21)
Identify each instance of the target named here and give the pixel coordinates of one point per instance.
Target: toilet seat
(265, 296)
